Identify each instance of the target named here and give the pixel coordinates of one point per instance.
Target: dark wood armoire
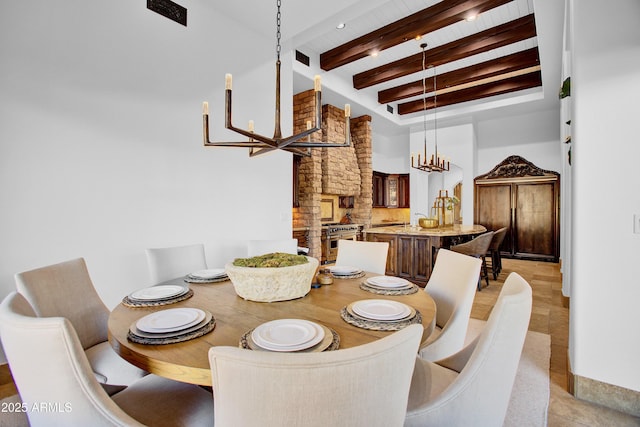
(526, 199)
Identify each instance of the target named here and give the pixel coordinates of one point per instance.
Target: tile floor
(550, 315)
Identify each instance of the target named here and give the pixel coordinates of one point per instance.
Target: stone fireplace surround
(344, 171)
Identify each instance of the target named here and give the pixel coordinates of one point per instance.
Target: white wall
(536, 137)
(389, 154)
(604, 318)
(456, 142)
(101, 150)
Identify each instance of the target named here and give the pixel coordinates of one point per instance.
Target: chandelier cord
(424, 96)
(435, 117)
(278, 35)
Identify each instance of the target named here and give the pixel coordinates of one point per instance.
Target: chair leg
(484, 268)
(494, 265)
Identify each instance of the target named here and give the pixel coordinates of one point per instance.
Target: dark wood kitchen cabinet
(526, 199)
(390, 190)
(379, 192)
(403, 191)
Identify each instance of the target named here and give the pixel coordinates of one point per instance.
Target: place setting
(346, 272)
(388, 285)
(157, 296)
(171, 326)
(291, 335)
(212, 275)
(380, 314)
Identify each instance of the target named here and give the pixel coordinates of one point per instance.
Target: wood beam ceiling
(507, 64)
(484, 41)
(420, 23)
(511, 84)
(508, 73)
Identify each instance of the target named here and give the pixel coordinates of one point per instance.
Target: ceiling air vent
(301, 57)
(390, 109)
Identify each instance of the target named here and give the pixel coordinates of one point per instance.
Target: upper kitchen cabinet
(390, 190)
(379, 180)
(403, 191)
(526, 199)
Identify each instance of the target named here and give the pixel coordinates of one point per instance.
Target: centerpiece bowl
(262, 279)
(428, 222)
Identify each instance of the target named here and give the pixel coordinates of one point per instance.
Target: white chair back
(65, 289)
(49, 366)
(368, 256)
(365, 385)
(168, 263)
(261, 247)
(473, 386)
(452, 285)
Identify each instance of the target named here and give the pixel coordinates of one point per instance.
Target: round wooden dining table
(234, 316)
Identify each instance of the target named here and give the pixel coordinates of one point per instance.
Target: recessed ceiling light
(374, 53)
(418, 37)
(341, 25)
(471, 18)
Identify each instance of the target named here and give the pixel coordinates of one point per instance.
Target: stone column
(361, 139)
(309, 174)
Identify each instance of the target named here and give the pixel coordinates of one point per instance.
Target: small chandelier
(435, 163)
(299, 144)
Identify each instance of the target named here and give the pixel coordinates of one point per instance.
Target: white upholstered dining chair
(49, 367)
(452, 285)
(261, 247)
(66, 290)
(175, 261)
(473, 386)
(365, 385)
(368, 256)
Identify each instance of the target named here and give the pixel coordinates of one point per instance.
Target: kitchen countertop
(455, 230)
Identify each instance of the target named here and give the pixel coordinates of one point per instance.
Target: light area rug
(530, 394)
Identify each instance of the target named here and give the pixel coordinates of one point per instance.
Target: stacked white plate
(159, 293)
(288, 335)
(381, 310)
(170, 323)
(206, 276)
(344, 270)
(388, 282)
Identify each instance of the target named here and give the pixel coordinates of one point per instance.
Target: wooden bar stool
(478, 248)
(494, 251)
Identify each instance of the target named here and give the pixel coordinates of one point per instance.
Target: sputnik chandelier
(299, 144)
(436, 163)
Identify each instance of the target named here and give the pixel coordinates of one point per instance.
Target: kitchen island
(412, 250)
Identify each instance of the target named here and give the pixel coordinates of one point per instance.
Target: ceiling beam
(492, 38)
(506, 64)
(420, 23)
(512, 84)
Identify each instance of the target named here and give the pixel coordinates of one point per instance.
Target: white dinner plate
(344, 270)
(212, 273)
(406, 287)
(170, 320)
(159, 292)
(287, 335)
(160, 335)
(381, 309)
(388, 281)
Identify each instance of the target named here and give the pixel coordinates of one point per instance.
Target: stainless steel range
(333, 232)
